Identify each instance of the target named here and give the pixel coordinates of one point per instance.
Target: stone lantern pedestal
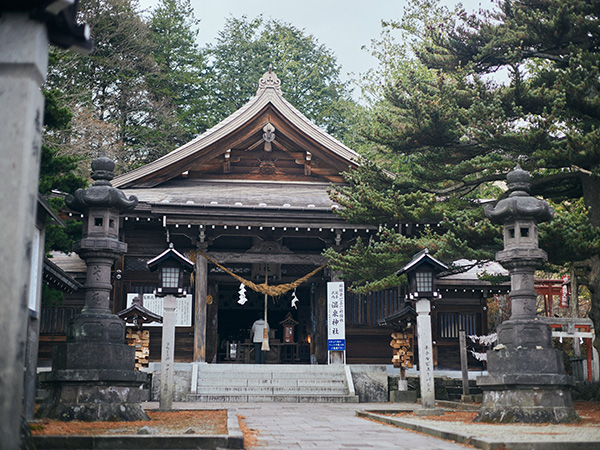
(93, 374)
(526, 379)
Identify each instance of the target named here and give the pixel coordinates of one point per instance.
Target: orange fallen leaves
(589, 413)
(200, 422)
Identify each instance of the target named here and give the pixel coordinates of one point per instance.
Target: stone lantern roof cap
(101, 194)
(103, 168)
(519, 205)
(518, 179)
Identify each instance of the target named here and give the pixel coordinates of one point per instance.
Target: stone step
(272, 383)
(273, 398)
(457, 382)
(271, 368)
(224, 381)
(271, 375)
(259, 390)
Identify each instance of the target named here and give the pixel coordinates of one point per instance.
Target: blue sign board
(336, 345)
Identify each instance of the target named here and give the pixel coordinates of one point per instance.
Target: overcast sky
(344, 26)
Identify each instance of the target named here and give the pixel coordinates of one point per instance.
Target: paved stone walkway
(329, 427)
(326, 426)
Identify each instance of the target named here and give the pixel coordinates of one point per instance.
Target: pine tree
(117, 103)
(58, 173)
(181, 72)
(452, 129)
(309, 73)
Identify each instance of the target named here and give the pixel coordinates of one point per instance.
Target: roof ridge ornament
(268, 136)
(269, 80)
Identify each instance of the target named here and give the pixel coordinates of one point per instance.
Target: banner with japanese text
(183, 311)
(336, 324)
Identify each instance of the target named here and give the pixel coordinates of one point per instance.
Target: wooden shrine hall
(251, 194)
(249, 198)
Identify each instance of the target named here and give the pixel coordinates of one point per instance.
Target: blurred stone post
(23, 65)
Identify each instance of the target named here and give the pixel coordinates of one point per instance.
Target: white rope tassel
(478, 355)
(242, 294)
(295, 299)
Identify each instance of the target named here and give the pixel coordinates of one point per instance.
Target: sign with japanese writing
(183, 311)
(336, 321)
(564, 293)
(426, 365)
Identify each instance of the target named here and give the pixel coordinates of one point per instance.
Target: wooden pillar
(464, 367)
(212, 322)
(588, 346)
(318, 328)
(200, 287)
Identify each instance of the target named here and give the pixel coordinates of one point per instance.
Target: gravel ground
(458, 427)
(515, 432)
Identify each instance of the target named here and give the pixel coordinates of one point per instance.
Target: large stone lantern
(526, 379)
(93, 376)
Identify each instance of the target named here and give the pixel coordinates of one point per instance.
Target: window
(135, 264)
(369, 309)
(424, 281)
(170, 277)
(451, 323)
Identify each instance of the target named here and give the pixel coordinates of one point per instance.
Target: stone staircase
(272, 383)
(454, 388)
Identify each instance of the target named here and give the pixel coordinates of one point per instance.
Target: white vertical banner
(336, 322)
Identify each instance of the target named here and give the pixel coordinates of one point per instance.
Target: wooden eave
(242, 130)
(58, 278)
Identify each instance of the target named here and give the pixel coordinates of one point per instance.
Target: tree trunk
(594, 287)
(591, 197)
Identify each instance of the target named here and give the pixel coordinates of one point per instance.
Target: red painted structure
(550, 288)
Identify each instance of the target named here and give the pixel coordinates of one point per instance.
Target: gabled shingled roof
(269, 95)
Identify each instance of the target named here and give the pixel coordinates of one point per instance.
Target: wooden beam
(281, 258)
